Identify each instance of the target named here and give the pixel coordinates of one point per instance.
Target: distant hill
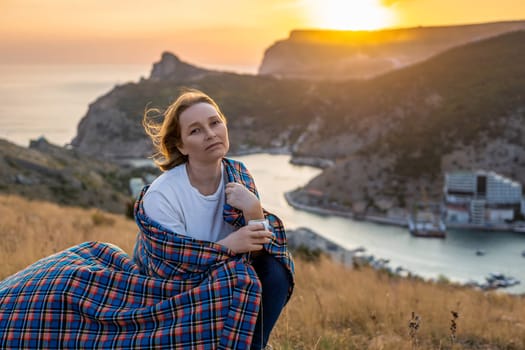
(365, 54)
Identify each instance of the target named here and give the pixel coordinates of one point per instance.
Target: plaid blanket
(177, 292)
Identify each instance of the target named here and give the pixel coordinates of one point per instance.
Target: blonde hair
(164, 128)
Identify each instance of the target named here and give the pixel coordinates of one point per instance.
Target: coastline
(400, 222)
(304, 238)
(345, 214)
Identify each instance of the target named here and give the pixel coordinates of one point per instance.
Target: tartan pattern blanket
(177, 292)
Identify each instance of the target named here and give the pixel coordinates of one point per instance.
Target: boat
(499, 280)
(519, 227)
(480, 252)
(426, 224)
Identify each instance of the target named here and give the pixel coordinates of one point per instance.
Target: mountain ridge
(366, 54)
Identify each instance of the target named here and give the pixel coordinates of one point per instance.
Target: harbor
(388, 238)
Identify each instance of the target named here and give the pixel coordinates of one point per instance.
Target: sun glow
(350, 14)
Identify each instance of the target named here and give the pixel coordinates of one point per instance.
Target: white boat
(426, 225)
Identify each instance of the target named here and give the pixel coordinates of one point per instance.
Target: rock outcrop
(170, 67)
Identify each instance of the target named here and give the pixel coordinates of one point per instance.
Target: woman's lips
(213, 145)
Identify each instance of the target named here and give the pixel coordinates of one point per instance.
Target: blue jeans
(275, 281)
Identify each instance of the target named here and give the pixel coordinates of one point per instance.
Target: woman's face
(204, 134)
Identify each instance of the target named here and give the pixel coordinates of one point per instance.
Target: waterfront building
(481, 198)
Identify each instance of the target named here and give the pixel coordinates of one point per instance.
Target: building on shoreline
(482, 198)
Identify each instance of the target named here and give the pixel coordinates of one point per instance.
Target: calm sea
(50, 101)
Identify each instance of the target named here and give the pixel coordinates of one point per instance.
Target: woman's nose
(210, 133)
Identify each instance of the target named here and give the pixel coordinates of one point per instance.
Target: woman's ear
(180, 147)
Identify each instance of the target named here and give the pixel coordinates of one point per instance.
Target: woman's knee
(273, 275)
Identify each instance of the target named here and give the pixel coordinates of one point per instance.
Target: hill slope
(395, 135)
(360, 309)
(48, 172)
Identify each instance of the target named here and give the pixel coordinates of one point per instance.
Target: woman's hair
(164, 127)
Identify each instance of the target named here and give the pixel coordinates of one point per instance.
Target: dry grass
(337, 308)
(31, 230)
(333, 307)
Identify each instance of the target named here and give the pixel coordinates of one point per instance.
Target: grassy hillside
(333, 307)
(391, 134)
(455, 98)
(52, 173)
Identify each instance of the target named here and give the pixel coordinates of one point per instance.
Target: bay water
(50, 100)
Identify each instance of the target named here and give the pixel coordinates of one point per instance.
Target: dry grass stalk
(453, 326)
(413, 327)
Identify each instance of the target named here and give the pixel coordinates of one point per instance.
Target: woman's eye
(194, 131)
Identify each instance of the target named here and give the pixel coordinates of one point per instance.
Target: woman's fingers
(263, 238)
(248, 238)
(240, 197)
(261, 234)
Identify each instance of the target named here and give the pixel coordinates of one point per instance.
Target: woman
(199, 193)
(200, 277)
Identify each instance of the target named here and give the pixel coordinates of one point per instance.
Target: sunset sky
(205, 32)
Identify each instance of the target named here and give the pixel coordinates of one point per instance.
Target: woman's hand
(247, 238)
(241, 198)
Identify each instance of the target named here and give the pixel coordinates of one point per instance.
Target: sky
(209, 33)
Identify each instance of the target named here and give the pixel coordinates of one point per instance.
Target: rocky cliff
(263, 112)
(365, 54)
(111, 128)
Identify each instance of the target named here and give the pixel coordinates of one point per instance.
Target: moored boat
(427, 225)
(499, 280)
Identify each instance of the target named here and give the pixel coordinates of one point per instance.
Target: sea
(50, 100)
